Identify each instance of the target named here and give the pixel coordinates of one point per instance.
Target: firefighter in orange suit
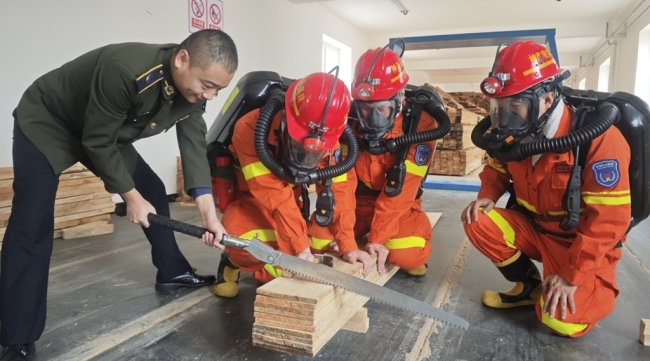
(389, 178)
(578, 287)
(268, 205)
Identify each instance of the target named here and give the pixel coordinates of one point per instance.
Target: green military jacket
(94, 107)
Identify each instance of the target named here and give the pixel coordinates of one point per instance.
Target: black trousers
(27, 244)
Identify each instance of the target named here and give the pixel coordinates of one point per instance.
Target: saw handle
(185, 228)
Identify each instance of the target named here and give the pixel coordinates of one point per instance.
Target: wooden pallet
(82, 206)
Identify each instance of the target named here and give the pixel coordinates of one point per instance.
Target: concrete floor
(103, 306)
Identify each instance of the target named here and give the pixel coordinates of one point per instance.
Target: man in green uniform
(91, 110)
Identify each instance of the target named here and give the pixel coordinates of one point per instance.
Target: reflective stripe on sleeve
(418, 170)
(254, 170)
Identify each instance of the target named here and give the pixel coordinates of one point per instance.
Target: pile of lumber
(457, 162)
(455, 153)
(473, 101)
(299, 316)
(183, 197)
(82, 207)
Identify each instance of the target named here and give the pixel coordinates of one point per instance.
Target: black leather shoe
(187, 279)
(23, 352)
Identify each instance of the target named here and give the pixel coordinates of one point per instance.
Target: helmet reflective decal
(422, 154)
(606, 172)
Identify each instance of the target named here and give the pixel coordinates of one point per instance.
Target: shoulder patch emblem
(338, 155)
(606, 172)
(151, 77)
(422, 154)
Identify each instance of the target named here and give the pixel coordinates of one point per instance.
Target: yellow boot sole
(226, 290)
(493, 299)
(420, 271)
(229, 288)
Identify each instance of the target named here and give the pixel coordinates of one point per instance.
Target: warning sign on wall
(205, 14)
(215, 14)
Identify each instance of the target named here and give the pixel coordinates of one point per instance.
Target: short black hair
(210, 46)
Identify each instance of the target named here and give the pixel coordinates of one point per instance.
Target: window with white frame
(603, 76)
(642, 78)
(582, 84)
(336, 53)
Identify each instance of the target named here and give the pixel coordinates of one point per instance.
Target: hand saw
(313, 271)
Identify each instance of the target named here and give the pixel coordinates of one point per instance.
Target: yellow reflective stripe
(418, 170)
(255, 170)
(498, 168)
(504, 226)
(319, 243)
(540, 67)
(510, 260)
(275, 272)
(344, 150)
(564, 328)
(609, 201)
(149, 71)
(623, 193)
(527, 205)
(341, 178)
(406, 242)
(265, 235)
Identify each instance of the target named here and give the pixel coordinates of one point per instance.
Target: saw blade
(362, 287)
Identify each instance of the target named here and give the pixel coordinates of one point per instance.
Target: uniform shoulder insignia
(149, 78)
(606, 172)
(422, 153)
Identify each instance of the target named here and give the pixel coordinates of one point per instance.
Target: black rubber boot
(227, 285)
(528, 285)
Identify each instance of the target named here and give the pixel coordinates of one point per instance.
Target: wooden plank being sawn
(329, 318)
(299, 316)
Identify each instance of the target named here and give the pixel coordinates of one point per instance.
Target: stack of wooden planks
(299, 316)
(455, 153)
(82, 207)
(183, 197)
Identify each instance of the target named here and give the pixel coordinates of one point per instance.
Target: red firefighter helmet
(519, 66)
(316, 109)
(378, 75)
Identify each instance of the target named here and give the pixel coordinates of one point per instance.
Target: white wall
(270, 35)
(624, 54)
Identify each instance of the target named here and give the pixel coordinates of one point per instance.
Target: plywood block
(88, 229)
(359, 323)
(644, 332)
(299, 316)
(434, 217)
(7, 173)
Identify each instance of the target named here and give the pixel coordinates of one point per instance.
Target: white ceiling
(580, 27)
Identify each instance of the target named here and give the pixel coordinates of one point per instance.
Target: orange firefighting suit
(587, 260)
(396, 222)
(268, 206)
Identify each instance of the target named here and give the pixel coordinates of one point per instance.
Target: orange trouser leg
(411, 247)
(594, 299)
(364, 212)
(321, 237)
(245, 218)
(501, 232)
